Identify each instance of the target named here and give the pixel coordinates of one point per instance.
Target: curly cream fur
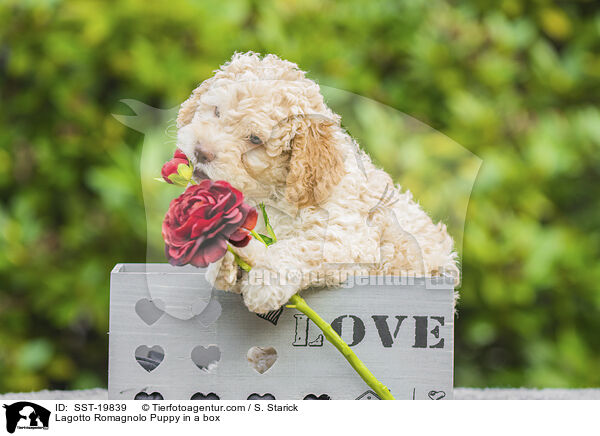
(334, 212)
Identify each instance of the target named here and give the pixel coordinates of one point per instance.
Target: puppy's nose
(203, 155)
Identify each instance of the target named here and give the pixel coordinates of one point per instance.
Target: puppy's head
(261, 125)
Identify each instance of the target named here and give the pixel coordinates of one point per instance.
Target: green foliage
(272, 238)
(515, 83)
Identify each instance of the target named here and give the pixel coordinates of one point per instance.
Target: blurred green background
(516, 83)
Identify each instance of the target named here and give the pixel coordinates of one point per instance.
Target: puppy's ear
(316, 164)
(188, 107)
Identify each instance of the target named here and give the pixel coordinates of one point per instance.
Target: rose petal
(211, 251)
(180, 155)
(239, 234)
(250, 221)
(204, 185)
(241, 243)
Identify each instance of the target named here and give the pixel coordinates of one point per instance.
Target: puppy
(264, 127)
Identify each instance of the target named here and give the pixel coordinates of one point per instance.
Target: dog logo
(26, 415)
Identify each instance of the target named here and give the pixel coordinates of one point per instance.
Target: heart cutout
(320, 397)
(200, 396)
(145, 396)
(149, 357)
(206, 358)
(261, 359)
(255, 396)
(436, 395)
(148, 311)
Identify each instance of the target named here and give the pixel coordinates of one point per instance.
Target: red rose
(202, 220)
(171, 166)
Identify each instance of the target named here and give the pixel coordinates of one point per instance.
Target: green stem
(380, 389)
(271, 233)
(298, 303)
(257, 236)
(239, 260)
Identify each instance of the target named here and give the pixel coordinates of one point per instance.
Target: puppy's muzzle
(203, 156)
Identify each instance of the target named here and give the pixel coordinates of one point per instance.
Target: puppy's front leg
(225, 274)
(285, 268)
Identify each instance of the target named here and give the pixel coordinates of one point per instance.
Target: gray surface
(526, 394)
(415, 316)
(459, 394)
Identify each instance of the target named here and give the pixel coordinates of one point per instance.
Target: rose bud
(170, 168)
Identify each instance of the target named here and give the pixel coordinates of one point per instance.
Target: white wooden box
(170, 317)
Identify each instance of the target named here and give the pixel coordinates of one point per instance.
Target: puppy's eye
(217, 113)
(254, 139)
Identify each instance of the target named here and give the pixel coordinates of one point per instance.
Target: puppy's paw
(254, 253)
(262, 297)
(223, 275)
